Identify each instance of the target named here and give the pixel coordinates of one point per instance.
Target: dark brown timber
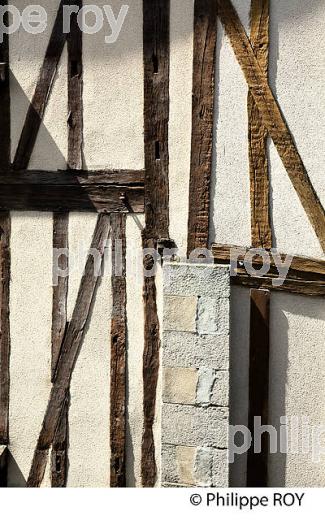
(93, 197)
(205, 36)
(118, 352)
(59, 454)
(258, 134)
(156, 115)
(69, 351)
(75, 88)
(272, 117)
(156, 14)
(150, 370)
(291, 286)
(301, 268)
(258, 384)
(5, 151)
(42, 92)
(131, 178)
(60, 462)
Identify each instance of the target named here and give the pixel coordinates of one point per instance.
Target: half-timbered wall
(113, 100)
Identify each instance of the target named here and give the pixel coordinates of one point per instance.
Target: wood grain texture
(4, 327)
(258, 134)
(118, 353)
(98, 198)
(75, 90)
(5, 124)
(5, 227)
(150, 371)
(156, 115)
(259, 383)
(301, 268)
(60, 291)
(60, 447)
(69, 352)
(36, 110)
(205, 37)
(156, 51)
(59, 454)
(300, 287)
(131, 178)
(272, 118)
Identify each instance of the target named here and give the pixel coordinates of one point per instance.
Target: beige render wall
(113, 98)
(113, 133)
(297, 323)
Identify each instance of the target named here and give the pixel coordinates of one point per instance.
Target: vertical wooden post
(156, 23)
(258, 134)
(205, 38)
(118, 352)
(59, 456)
(5, 226)
(258, 383)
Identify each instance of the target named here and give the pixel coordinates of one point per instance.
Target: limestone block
(180, 385)
(203, 280)
(195, 426)
(189, 350)
(180, 313)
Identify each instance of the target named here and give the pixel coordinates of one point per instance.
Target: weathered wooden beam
(5, 123)
(272, 117)
(258, 384)
(75, 90)
(59, 454)
(298, 287)
(301, 268)
(70, 350)
(60, 291)
(118, 353)
(132, 178)
(4, 338)
(204, 56)
(156, 115)
(60, 447)
(5, 227)
(150, 371)
(156, 51)
(85, 197)
(42, 92)
(258, 134)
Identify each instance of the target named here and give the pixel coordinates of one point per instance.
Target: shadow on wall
(239, 381)
(15, 477)
(281, 395)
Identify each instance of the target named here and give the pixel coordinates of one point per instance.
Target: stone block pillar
(195, 411)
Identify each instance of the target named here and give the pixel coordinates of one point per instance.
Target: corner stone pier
(195, 410)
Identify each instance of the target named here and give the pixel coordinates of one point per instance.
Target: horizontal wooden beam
(73, 177)
(115, 191)
(301, 268)
(292, 286)
(306, 276)
(101, 199)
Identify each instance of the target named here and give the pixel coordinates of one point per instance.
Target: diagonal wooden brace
(272, 117)
(69, 352)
